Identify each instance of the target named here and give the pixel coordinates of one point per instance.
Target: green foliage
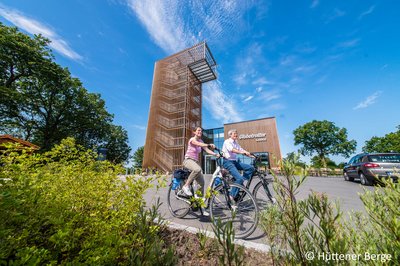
(138, 157)
(381, 227)
(44, 104)
(149, 246)
(323, 138)
(64, 207)
(390, 142)
(300, 232)
(294, 157)
(318, 163)
(231, 254)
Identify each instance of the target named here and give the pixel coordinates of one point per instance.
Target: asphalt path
(346, 193)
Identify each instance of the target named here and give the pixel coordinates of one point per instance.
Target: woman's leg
(196, 173)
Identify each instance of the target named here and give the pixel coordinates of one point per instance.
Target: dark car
(371, 167)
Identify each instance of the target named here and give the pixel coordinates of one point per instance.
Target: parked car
(371, 167)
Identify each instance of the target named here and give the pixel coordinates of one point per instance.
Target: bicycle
(242, 211)
(261, 191)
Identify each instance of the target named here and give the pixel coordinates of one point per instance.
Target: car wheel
(364, 180)
(347, 177)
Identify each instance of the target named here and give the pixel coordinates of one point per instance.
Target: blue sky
(295, 60)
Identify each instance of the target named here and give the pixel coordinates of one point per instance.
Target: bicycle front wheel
(178, 204)
(243, 213)
(263, 196)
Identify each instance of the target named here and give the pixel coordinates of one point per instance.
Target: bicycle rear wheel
(178, 204)
(263, 199)
(244, 213)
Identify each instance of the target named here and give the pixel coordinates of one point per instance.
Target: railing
(168, 141)
(171, 123)
(177, 107)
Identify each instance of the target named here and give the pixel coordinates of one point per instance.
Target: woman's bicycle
(241, 210)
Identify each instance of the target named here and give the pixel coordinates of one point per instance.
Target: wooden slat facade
(175, 105)
(259, 135)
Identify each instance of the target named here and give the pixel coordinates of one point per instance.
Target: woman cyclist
(191, 161)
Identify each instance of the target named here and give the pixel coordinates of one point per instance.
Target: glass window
(385, 158)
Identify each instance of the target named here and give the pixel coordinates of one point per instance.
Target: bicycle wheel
(244, 213)
(262, 197)
(178, 204)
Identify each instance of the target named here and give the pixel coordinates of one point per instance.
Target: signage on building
(256, 136)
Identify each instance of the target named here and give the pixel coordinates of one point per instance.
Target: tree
(323, 138)
(44, 104)
(295, 158)
(116, 143)
(138, 157)
(316, 162)
(390, 142)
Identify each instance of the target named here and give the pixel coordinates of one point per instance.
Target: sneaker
(233, 204)
(205, 213)
(187, 191)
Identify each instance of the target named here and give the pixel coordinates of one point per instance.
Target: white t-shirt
(227, 148)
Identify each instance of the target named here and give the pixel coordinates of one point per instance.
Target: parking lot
(346, 193)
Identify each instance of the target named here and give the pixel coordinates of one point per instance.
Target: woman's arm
(198, 143)
(210, 151)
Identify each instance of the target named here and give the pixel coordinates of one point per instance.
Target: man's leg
(248, 170)
(230, 166)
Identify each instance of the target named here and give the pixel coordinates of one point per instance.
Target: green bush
(63, 207)
(312, 232)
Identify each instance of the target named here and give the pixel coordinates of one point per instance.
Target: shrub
(297, 228)
(63, 207)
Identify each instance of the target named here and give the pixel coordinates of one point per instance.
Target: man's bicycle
(261, 190)
(241, 210)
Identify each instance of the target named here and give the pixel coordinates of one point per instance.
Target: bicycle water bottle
(175, 183)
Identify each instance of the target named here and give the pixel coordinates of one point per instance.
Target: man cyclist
(230, 148)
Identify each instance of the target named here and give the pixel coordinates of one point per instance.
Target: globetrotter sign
(257, 136)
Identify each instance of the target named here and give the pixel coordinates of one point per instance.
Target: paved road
(335, 187)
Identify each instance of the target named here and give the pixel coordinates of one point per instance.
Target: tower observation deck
(175, 105)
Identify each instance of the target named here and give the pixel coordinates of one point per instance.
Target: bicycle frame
(260, 175)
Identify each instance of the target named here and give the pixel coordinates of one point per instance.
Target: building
(7, 139)
(175, 111)
(175, 105)
(258, 136)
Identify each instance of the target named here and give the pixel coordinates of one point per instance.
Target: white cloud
(240, 79)
(369, 11)
(259, 89)
(220, 106)
(139, 127)
(248, 98)
(304, 69)
(349, 43)
(262, 81)
(337, 13)
(35, 27)
(276, 106)
(270, 95)
(287, 60)
(368, 101)
(246, 65)
(215, 20)
(314, 3)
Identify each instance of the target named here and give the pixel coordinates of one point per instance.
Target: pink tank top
(193, 151)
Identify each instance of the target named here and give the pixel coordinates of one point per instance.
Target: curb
(247, 244)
